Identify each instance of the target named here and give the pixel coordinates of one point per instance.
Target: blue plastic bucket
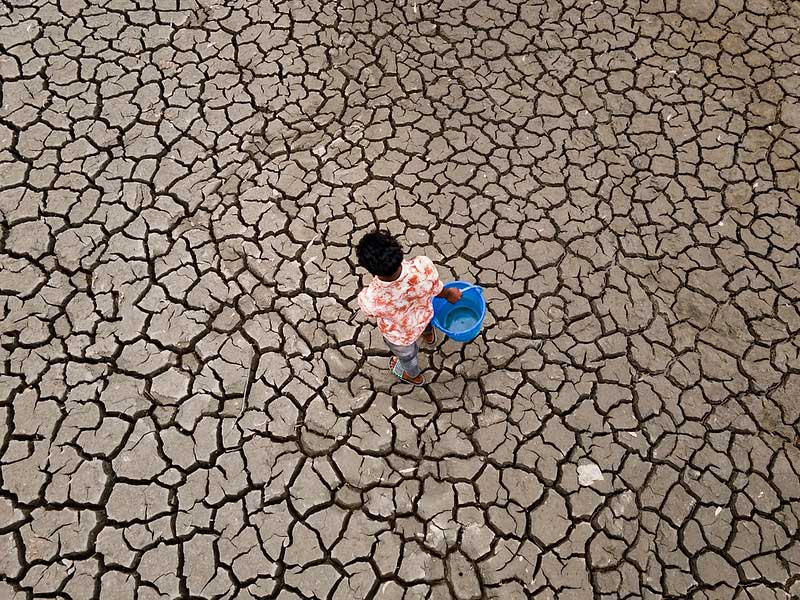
(462, 321)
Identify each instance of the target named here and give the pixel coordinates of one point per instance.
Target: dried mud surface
(191, 408)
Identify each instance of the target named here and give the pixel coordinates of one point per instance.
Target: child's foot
(428, 337)
(398, 371)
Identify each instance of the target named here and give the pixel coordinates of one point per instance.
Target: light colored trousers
(408, 356)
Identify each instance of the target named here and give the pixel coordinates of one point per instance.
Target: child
(399, 297)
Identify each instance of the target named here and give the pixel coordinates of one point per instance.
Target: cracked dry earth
(191, 407)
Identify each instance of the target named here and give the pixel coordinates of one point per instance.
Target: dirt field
(190, 405)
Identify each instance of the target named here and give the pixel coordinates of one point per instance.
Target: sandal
(398, 371)
(429, 341)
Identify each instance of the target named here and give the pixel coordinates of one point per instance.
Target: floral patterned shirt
(403, 307)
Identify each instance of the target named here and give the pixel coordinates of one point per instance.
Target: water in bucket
(462, 321)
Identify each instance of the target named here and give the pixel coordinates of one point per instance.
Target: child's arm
(452, 295)
(363, 304)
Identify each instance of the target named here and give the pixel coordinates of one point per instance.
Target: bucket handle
(472, 287)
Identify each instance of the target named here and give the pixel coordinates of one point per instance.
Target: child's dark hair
(379, 253)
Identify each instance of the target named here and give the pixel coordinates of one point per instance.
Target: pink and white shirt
(403, 307)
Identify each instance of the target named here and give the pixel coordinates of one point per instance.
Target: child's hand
(452, 295)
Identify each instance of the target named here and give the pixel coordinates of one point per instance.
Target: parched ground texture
(192, 408)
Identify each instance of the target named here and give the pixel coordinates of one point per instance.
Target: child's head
(379, 253)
